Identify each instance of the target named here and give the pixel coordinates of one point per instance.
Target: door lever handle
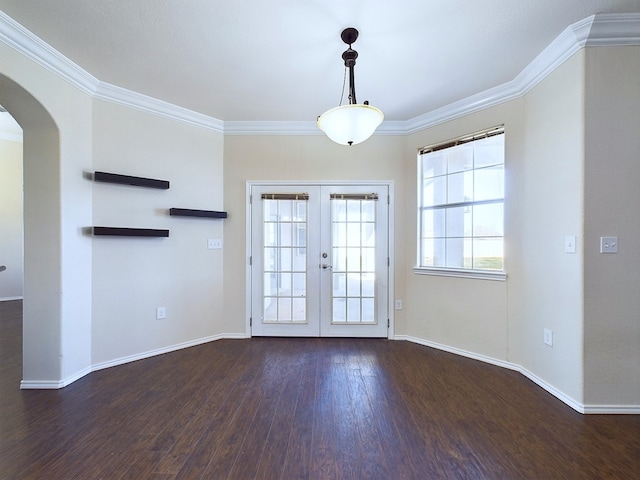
(326, 266)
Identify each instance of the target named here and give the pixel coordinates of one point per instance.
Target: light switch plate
(570, 244)
(608, 244)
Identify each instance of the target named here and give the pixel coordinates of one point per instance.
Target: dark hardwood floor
(301, 408)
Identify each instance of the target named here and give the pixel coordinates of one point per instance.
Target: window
(461, 206)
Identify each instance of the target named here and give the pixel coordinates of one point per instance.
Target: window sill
(452, 272)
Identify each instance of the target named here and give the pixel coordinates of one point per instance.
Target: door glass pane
(339, 310)
(353, 234)
(353, 226)
(369, 234)
(353, 310)
(368, 284)
(353, 211)
(339, 285)
(369, 211)
(368, 260)
(339, 259)
(353, 259)
(368, 310)
(284, 260)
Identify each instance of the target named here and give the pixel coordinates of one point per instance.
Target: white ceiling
(280, 60)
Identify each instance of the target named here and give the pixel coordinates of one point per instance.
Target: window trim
(496, 275)
(462, 272)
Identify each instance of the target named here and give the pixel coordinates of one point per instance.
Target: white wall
(10, 208)
(134, 276)
(612, 199)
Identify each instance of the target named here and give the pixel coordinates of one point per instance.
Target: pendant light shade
(353, 123)
(350, 124)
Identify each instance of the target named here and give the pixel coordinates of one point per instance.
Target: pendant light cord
(344, 82)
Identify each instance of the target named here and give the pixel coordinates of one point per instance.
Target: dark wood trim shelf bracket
(188, 212)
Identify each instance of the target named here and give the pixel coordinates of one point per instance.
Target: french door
(319, 260)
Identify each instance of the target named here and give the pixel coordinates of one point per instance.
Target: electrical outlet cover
(608, 244)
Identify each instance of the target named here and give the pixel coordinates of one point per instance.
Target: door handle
(326, 266)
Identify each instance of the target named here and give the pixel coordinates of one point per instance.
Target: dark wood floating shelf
(130, 232)
(129, 180)
(188, 212)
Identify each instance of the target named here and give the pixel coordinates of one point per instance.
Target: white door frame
(251, 183)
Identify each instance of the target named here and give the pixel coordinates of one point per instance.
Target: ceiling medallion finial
(353, 123)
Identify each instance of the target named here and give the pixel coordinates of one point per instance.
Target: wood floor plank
(277, 443)
(297, 464)
(278, 378)
(266, 408)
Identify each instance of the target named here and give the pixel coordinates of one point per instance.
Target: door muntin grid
(284, 259)
(353, 246)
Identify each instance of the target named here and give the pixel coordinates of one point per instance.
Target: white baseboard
(457, 351)
(57, 384)
(579, 407)
(160, 351)
(8, 299)
(612, 409)
(41, 384)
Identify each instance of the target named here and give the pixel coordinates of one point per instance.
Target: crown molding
(122, 96)
(271, 128)
(26, 43)
(596, 30)
(614, 30)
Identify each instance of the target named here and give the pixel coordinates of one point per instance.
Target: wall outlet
(398, 304)
(548, 337)
(608, 244)
(214, 244)
(161, 312)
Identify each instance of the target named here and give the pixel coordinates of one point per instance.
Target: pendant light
(353, 123)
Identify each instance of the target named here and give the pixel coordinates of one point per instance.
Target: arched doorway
(42, 312)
